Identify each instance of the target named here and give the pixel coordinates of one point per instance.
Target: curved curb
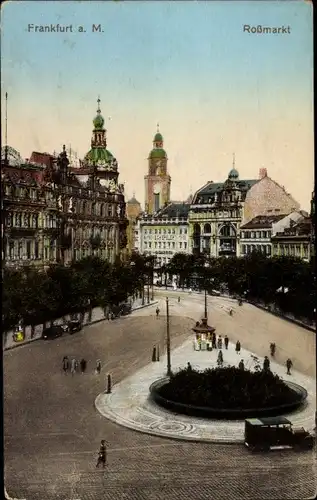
(130, 404)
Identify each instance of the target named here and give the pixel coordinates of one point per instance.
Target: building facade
(133, 210)
(164, 234)
(294, 240)
(57, 213)
(215, 216)
(157, 180)
(219, 210)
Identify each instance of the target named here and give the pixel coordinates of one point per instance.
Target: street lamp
(168, 340)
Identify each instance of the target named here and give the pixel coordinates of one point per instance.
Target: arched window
(207, 228)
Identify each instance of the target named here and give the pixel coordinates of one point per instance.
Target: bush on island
(227, 388)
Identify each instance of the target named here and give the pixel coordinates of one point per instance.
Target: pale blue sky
(189, 65)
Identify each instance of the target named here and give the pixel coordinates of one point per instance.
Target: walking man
(73, 366)
(157, 312)
(226, 341)
(241, 365)
(238, 347)
(179, 299)
(65, 364)
(83, 364)
(289, 365)
(102, 455)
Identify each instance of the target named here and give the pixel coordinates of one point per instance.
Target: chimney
(262, 173)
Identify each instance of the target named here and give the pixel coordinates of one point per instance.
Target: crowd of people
(74, 366)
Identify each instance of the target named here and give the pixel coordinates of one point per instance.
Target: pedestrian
(226, 341)
(157, 312)
(289, 365)
(179, 299)
(98, 367)
(83, 364)
(241, 365)
(231, 312)
(102, 455)
(65, 364)
(266, 364)
(109, 316)
(213, 340)
(272, 349)
(112, 316)
(238, 347)
(220, 358)
(219, 343)
(189, 366)
(73, 366)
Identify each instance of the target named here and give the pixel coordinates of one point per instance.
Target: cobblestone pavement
(52, 430)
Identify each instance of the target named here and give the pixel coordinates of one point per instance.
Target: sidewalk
(129, 404)
(97, 316)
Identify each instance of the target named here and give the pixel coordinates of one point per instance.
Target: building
(215, 216)
(267, 197)
(133, 210)
(218, 211)
(256, 234)
(164, 233)
(157, 181)
(313, 222)
(29, 213)
(294, 240)
(54, 212)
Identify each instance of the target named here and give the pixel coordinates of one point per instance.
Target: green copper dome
(158, 137)
(98, 156)
(233, 174)
(98, 122)
(158, 153)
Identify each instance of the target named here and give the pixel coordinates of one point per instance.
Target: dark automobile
(274, 433)
(73, 326)
(126, 309)
(52, 332)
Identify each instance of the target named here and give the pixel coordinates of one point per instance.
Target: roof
(41, 158)
(133, 201)
(98, 156)
(174, 210)
(214, 187)
(262, 221)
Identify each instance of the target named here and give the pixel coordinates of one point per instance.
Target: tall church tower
(157, 181)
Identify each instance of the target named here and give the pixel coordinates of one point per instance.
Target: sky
(214, 88)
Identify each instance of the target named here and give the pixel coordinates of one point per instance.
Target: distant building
(133, 210)
(164, 233)
(267, 197)
(215, 216)
(294, 240)
(53, 212)
(220, 210)
(256, 234)
(157, 180)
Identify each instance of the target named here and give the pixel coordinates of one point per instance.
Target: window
(11, 250)
(155, 231)
(180, 231)
(28, 249)
(36, 249)
(258, 234)
(185, 231)
(110, 211)
(150, 244)
(180, 244)
(185, 245)
(173, 244)
(243, 249)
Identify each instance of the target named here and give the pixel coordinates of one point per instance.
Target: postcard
(158, 250)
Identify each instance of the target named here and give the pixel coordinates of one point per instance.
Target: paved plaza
(129, 403)
(53, 429)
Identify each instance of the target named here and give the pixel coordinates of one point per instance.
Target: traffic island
(131, 405)
(227, 393)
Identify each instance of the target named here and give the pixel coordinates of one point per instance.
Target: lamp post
(168, 340)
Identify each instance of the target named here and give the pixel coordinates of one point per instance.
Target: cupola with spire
(99, 155)
(158, 151)
(233, 174)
